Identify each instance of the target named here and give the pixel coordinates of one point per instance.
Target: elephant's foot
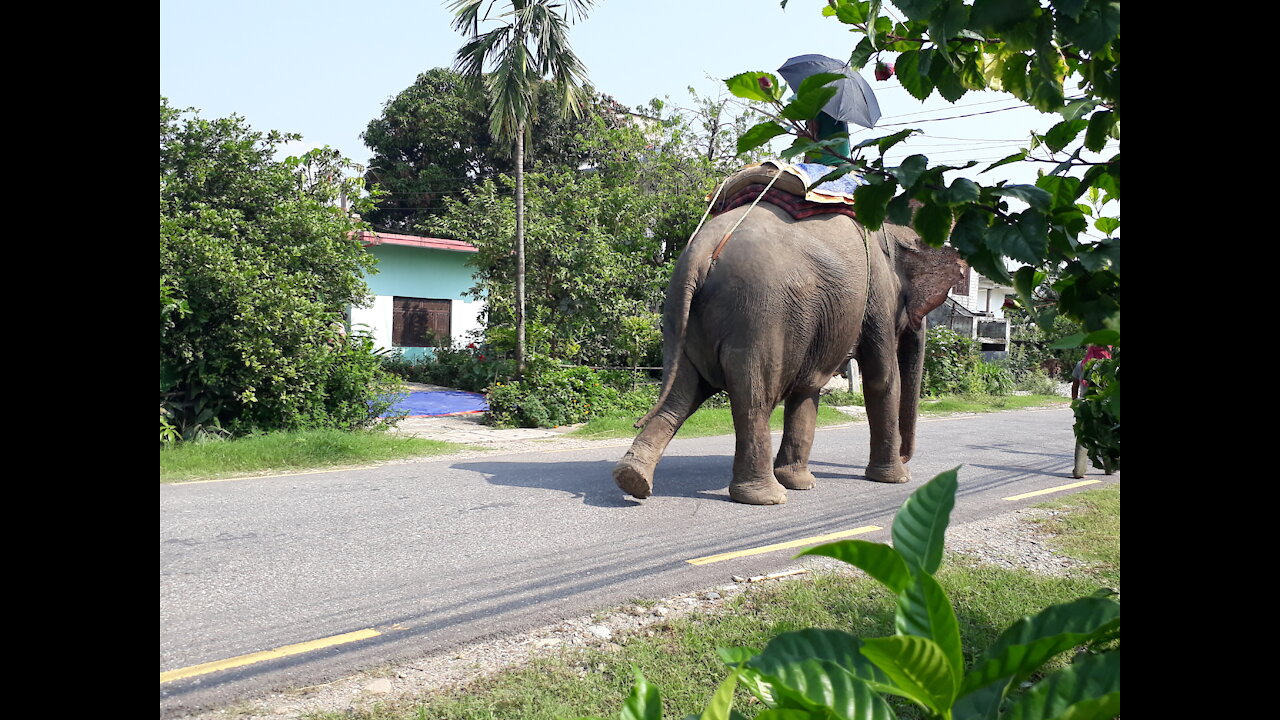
(766, 491)
(891, 473)
(633, 478)
(795, 478)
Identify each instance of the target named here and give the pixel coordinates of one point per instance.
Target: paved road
(438, 553)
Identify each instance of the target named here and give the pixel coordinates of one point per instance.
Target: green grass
(680, 655)
(290, 451)
(719, 421)
(1088, 528)
(706, 421)
(948, 404)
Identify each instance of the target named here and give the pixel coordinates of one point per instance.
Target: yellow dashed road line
(1053, 489)
(257, 657)
(783, 546)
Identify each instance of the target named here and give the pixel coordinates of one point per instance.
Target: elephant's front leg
(792, 465)
(882, 388)
(753, 480)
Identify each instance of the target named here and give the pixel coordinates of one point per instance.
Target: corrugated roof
(383, 238)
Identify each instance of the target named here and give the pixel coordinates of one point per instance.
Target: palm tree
(528, 49)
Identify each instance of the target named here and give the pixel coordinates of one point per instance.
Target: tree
(529, 45)
(433, 141)
(605, 238)
(257, 265)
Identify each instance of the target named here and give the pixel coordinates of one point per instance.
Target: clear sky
(324, 69)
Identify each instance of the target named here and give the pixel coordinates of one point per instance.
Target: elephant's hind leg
(753, 479)
(634, 472)
(792, 464)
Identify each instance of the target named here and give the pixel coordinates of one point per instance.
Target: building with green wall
(418, 293)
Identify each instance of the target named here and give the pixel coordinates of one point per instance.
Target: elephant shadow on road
(701, 477)
(850, 471)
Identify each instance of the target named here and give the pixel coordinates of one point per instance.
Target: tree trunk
(520, 314)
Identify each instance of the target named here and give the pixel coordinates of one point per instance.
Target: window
(419, 322)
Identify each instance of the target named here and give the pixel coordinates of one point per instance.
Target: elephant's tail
(675, 325)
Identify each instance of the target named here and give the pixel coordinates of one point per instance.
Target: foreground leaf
(1033, 640)
(1087, 689)
(644, 702)
(875, 559)
(917, 667)
(920, 526)
(818, 685)
(835, 646)
(759, 135)
(748, 85)
(924, 611)
(721, 703)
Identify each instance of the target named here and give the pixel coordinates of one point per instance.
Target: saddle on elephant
(786, 185)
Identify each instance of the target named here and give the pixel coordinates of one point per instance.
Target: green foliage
(994, 379)
(596, 275)
(842, 397)
(950, 363)
(1097, 412)
(433, 140)
(599, 246)
(257, 266)
(1032, 348)
(812, 673)
(1025, 50)
(471, 367)
(1036, 382)
(953, 366)
(550, 396)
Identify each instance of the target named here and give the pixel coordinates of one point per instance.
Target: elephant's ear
(931, 273)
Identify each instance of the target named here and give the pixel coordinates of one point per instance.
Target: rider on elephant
(825, 127)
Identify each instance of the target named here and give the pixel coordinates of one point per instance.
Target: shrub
(816, 673)
(1031, 350)
(471, 367)
(995, 380)
(953, 366)
(550, 398)
(1097, 412)
(842, 397)
(950, 364)
(257, 265)
(1037, 383)
(638, 401)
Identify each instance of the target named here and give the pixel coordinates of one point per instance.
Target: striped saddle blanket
(790, 190)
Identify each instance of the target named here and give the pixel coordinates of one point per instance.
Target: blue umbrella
(853, 102)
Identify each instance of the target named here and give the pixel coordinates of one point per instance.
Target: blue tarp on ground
(444, 402)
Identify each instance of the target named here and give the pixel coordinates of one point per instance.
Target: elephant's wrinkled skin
(773, 320)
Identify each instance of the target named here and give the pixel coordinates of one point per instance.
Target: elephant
(772, 319)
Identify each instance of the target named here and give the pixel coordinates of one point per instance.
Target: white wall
(377, 318)
(464, 319)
